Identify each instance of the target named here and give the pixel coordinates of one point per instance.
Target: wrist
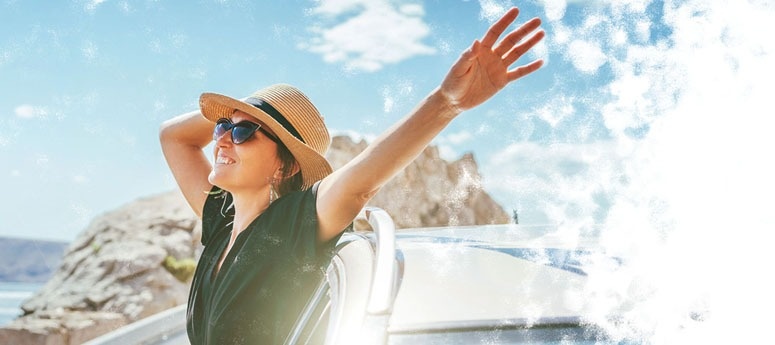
(446, 106)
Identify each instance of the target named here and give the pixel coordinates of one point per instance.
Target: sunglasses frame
(230, 126)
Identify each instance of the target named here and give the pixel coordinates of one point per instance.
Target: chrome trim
(166, 327)
(306, 314)
(474, 325)
(336, 278)
(382, 294)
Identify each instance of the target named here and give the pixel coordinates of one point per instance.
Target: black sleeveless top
(266, 278)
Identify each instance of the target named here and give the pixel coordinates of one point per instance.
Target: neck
(248, 206)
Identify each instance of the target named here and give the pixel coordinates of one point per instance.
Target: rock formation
(137, 260)
(430, 191)
(112, 274)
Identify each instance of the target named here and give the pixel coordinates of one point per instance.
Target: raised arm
(480, 72)
(182, 140)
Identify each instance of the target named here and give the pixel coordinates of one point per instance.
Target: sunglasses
(240, 131)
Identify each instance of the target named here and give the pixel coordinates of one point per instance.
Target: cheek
(262, 163)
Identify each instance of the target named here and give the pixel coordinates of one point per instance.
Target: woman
(271, 207)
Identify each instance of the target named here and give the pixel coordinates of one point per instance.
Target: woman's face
(249, 166)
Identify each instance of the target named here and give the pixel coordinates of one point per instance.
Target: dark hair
(289, 182)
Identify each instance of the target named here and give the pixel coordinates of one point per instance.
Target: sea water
(12, 295)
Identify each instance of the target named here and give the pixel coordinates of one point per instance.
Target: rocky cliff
(137, 260)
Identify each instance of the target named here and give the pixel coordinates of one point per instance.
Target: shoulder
(293, 204)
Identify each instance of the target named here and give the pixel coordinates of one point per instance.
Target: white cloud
(412, 10)
(558, 184)
(561, 34)
(361, 41)
(587, 57)
(557, 110)
(446, 152)
(449, 145)
(336, 7)
(646, 86)
(618, 37)
(491, 10)
(91, 5)
(555, 9)
(27, 111)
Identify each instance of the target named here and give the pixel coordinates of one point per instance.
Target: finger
(499, 27)
(508, 42)
(515, 53)
(524, 70)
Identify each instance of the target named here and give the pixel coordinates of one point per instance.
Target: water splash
(691, 218)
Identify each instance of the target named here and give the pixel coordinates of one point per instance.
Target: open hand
(483, 69)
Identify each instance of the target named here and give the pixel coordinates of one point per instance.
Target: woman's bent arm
(182, 140)
(479, 73)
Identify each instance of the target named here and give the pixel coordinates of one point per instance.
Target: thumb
(463, 64)
(472, 52)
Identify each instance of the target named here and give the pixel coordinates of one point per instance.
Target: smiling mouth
(224, 160)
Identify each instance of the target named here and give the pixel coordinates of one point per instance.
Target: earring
(273, 194)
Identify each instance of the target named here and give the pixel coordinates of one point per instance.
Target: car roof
(493, 275)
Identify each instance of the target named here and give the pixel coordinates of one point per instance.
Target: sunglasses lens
(221, 127)
(240, 133)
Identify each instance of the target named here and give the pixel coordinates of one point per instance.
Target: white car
(497, 284)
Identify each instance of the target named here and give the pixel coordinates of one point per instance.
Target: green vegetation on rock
(182, 269)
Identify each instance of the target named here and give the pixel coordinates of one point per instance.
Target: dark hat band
(271, 111)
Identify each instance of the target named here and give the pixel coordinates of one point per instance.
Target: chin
(216, 179)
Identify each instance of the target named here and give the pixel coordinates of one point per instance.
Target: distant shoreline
(29, 261)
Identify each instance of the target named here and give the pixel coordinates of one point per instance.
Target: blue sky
(86, 84)
(650, 119)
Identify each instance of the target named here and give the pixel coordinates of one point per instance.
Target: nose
(224, 139)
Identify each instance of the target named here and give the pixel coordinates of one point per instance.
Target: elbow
(166, 131)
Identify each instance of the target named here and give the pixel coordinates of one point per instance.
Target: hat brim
(312, 165)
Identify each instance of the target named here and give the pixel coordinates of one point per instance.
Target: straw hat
(290, 115)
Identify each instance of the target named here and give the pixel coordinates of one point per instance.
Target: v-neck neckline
(224, 253)
(228, 257)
